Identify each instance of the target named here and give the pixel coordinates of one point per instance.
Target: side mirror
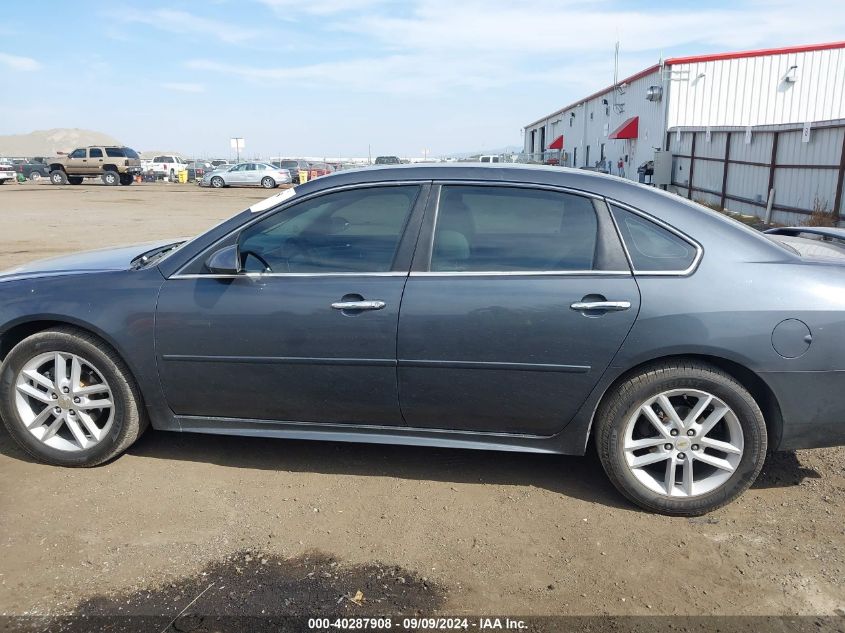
(224, 261)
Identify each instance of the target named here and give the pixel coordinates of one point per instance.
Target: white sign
(805, 133)
(237, 143)
(707, 135)
(748, 135)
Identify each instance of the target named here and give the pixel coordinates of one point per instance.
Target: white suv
(167, 165)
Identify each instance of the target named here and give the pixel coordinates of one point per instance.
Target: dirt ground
(467, 532)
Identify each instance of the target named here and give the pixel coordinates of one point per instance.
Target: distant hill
(51, 142)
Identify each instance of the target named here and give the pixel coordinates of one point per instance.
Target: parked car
(294, 166)
(112, 164)
(246, 174)
(198, 168)
(33, 170)
(812, 241)
(220, 163)
(387, 160)
(7, 171)
(515, 308)
(167, 166)
(315, 170)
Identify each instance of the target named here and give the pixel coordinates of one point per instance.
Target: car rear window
(651, 247)
(504, 229)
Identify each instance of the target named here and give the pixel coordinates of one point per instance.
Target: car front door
(518, 299)
(307, 332)
(236, 175)
(77, 161)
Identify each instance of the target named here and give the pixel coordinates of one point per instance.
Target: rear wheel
(58, 177)
(268, 183)
(217, 182)
(35, 176)
(68, 399)
(110, 177)
(75, 180)
(126, 179)
(681, 438)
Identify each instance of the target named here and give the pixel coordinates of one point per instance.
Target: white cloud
(185, 23)
(15, 62)
(183, 87)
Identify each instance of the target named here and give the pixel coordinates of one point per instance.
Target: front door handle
(614, 306)
(358, 305)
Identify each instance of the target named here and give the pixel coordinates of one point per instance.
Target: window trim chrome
(699, 249)
(394, 273)
(521, 273)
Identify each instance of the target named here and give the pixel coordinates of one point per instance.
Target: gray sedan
(245, 175)
(496, 307)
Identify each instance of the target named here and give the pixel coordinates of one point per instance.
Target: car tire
(268, 183)
(35, 176)
(58, 177)
(99, 364)
(646, 454)
(217, 182)
(75, 180)
(110, 177)
(126, 179)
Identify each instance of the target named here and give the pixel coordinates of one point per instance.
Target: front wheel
(268, 183)
(217, 182)
(126, 179)
(58, 177)
(111, 178)
(68, 399)
(681, 438)
(35, 176)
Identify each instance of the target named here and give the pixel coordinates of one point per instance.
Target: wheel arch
(757, 387)
(16, 331)
(56, 167)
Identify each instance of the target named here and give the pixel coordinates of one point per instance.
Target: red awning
(629, 129)
(557, 143)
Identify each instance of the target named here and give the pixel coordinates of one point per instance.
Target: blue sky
(329, 77)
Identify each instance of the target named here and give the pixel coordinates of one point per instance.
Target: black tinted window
(95, 152)
(513, 229)
(114, 152)
(651, 247)
(348, 231)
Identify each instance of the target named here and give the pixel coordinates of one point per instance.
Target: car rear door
(307, 333)
(518, 299)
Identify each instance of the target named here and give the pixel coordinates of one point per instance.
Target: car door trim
(464, 364)
(280, 360)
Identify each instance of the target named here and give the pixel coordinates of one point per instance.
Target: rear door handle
(614, 306)
(358, 305)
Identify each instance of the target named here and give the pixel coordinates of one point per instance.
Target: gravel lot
(467, 532)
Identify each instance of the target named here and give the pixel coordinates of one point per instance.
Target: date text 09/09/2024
(416, 623)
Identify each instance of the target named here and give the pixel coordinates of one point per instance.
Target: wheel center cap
(65, 402)
(682, 443)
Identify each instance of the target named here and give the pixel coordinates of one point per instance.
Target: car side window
(78, 153)
(346, 231)
(512, 229)
(651, 247)
(95, 152)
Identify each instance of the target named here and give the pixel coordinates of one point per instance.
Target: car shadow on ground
(578, 477)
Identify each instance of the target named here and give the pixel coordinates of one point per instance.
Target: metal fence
(780, 173)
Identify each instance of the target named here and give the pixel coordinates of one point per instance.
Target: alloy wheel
(64, 401)
(683, 443)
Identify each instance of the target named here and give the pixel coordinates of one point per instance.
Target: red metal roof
(557, 143)
(629, 129)
(696, 58)
(755, 53)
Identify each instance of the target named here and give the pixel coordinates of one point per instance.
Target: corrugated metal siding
(584, 130)
(752, 90)
(806, 174)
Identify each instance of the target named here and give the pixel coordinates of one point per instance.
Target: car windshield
(288, 164)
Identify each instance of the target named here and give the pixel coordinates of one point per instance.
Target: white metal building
(717, 114)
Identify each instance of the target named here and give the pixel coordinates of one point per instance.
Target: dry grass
(822, 214)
